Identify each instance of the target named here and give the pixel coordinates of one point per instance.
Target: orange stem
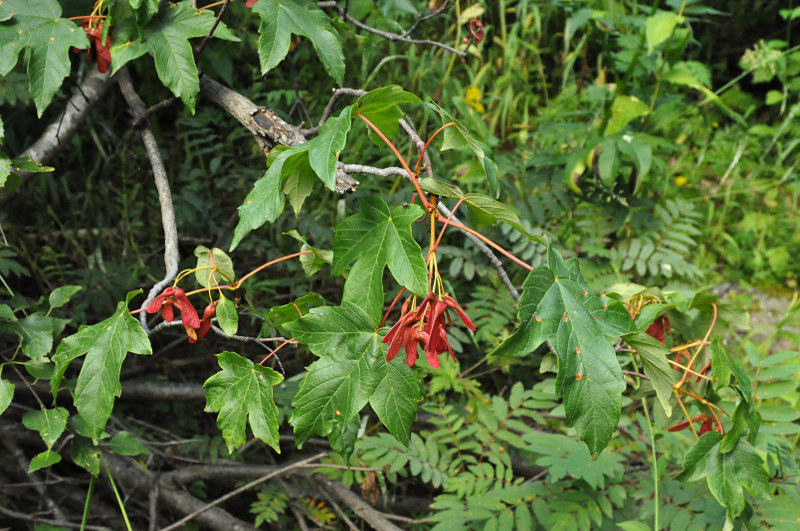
(273, 262)
(215, 4)
(432, 250)
(489, 242)
(422, 153)
(386, 316)
(700, 347)
(292, 340)
(400, 157)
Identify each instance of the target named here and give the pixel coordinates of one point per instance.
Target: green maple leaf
(105, 345)
(382, 107)
(374, 238)
(280, 19)
(351, 372)
(167, 36)
(242, 392)
(50, 423)
(728, 473)
(39, 27)
(654, 354)
(319, 155)
(558, 307)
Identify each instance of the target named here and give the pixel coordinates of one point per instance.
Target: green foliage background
(655, 145)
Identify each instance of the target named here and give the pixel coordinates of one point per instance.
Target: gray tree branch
(61, 130)
(344, 15)
(266, 126)
(137, 477)
(171, 256)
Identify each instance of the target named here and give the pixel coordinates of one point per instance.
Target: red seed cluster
(426, 325)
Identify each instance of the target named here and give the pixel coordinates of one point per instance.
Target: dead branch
(211, 506)
(358, 505)
(267, 127)
(136, 477)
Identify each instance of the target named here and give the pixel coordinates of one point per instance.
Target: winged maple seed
(205, 322)
(166, 303)
(95, 33)
(424, 324)
(707, 425)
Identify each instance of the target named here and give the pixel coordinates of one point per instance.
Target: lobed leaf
(105, 346)
(281, 19)
(39, 27)
(557, 306)
(242, 393)
(375, 238)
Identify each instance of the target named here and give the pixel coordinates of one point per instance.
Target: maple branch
(344, 15)
(61, 130)
(496, 263)
(171, 253)
(213, 27)
(266, 126)
(326, 113)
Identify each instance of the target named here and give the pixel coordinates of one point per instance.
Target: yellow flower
(473, 98)
(680, 180)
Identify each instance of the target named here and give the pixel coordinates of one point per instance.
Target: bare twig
(340, 512)
(412, 132)
(444, 7)
(162, 391)
(386, 34)
(337, 93)
(153, 505)
(137, 122)
(212, 30)
(56, 523)
(250, 485)
(171, 256)
(380, 172)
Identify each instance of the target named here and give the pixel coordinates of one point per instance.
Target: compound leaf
(50, 423)
(654, 361)
(44, 460)
(727, 474)
(351, 372)
(167, 36)
(6, 394)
